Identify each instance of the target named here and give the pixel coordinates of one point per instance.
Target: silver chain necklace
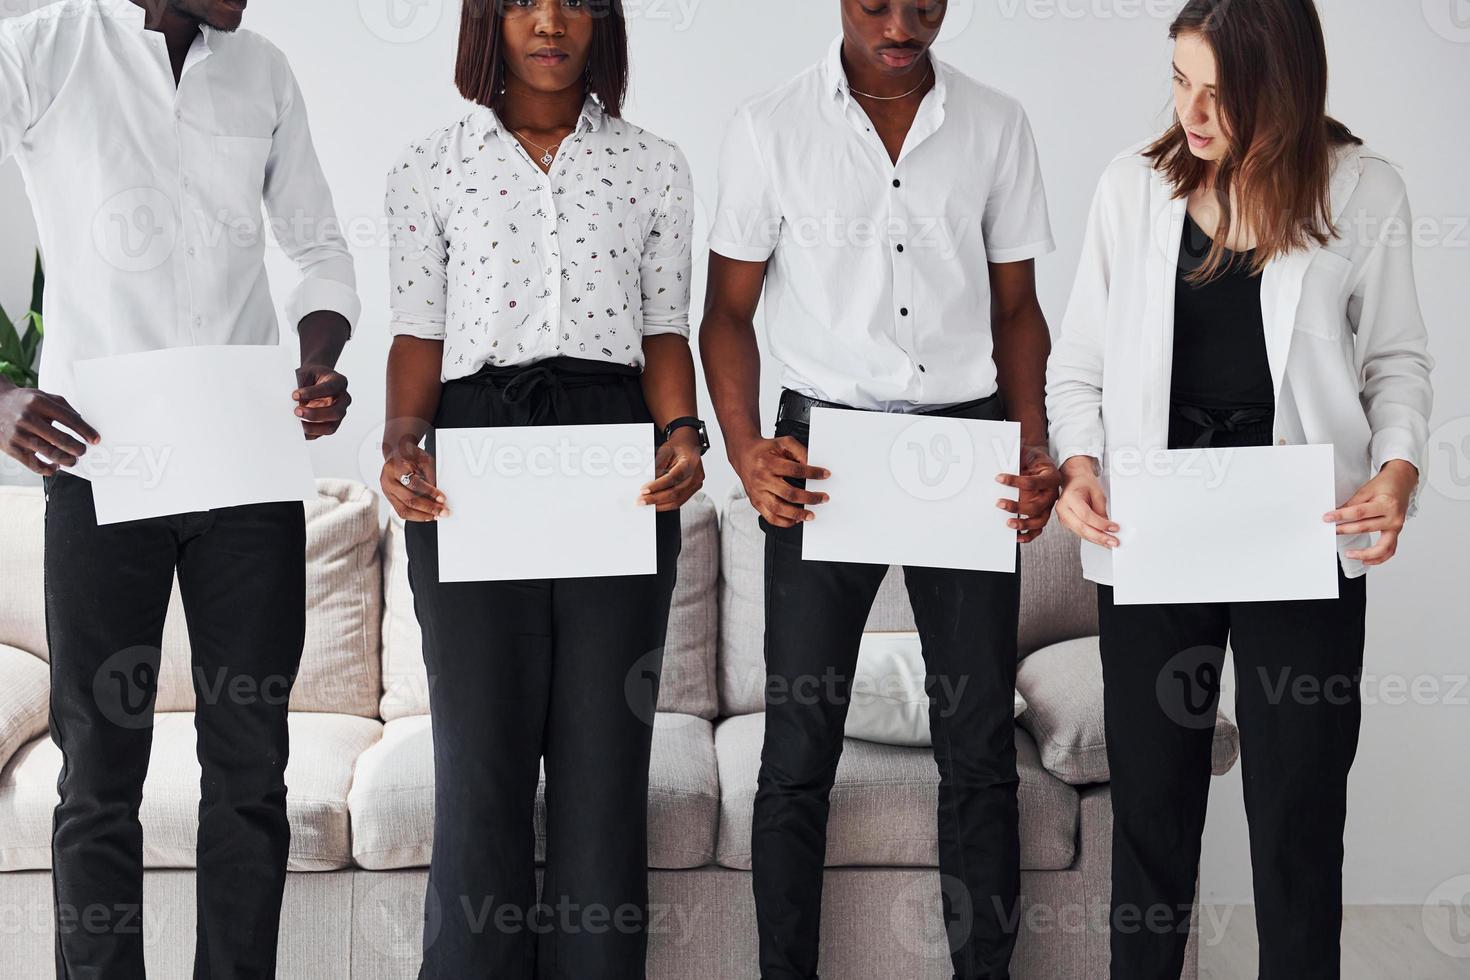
(890, 98)
(548, 156)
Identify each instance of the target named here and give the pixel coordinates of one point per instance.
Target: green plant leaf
(38, 285)
(10, 347)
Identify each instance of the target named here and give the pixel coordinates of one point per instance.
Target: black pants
(1297, 668)
(967, 620)
(566, 670)
(242, 575)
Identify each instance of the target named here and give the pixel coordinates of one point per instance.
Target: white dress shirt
(1344, 333)
(148, 195)
(509, 265)
(877, 287)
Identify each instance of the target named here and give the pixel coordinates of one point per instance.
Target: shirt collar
(135, 16)
(590, 120)
(835, 76)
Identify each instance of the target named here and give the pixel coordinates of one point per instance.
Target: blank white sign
(192, 429)
(912, 490)
(543, 502)
(1225, 525)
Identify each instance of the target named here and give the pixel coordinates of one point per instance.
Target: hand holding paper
(192, 429)
(913, 490)
(541, 502)
(1224, 525)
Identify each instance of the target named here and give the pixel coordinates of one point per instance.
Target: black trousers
(815, 614)
(242, 575)
(1297, 667)
(563, 670)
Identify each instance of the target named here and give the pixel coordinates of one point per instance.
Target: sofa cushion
(1063, 688)
(1056, 602)
(341, 660)
(392, 798)
(323, 750)
(22, 575)
(885, 801)
(25, 688)
(687, 684)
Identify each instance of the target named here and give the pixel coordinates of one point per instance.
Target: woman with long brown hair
(1246, 281)
(540, 268)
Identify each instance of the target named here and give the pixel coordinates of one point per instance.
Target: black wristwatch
(690, 422)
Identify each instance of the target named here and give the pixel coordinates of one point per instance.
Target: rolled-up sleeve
(747, 223)
(1074, 375)
(668, 254)
(16, 105)
(1393, 347)
(303, 217)
(418, 259)
(1017, 223)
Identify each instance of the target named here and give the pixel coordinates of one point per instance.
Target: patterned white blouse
(509, 265)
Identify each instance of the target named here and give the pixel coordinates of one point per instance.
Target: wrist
(688, 440)
(1080, 467)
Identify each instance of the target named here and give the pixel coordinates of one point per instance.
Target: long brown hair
(1272, 96)
(480, 70)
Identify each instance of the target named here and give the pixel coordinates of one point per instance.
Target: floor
(1378, 943)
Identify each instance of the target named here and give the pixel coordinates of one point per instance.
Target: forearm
(1022, 344)
(668, 378)
(323, 334)
(414, 387)
(732, 368)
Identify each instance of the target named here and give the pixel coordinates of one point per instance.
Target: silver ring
(406, 479)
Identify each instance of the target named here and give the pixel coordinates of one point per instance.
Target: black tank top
(1222, 393)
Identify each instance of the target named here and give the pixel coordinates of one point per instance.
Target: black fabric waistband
(1209, 426)
(796, 407)
(537, 393)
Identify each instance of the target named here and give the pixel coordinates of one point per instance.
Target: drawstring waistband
(549, 379)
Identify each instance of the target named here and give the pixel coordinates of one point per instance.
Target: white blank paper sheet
(912, 490)
(1225, 525)
(192, 429)
(538, 502)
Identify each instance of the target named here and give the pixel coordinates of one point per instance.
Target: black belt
(796, 407)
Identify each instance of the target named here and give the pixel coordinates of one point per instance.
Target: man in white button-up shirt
(149, 140)
(890, 209)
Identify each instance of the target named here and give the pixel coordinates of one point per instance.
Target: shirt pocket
(1324, 302)
(239, 172)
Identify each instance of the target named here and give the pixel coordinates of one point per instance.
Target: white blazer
(1344, 332)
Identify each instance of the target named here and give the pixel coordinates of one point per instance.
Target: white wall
(1094, 75)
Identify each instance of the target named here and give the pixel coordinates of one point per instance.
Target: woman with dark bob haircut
(1245, 281)
(540, 276)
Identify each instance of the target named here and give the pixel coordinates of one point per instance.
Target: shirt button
(922, 369)
(903, 311)
(178, 113)
(199, 321)
(897, 182)
(191, 251)
(900, 248)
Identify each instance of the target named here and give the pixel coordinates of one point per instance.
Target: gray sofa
(361, 773)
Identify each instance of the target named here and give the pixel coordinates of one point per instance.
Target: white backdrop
(1094, 76)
